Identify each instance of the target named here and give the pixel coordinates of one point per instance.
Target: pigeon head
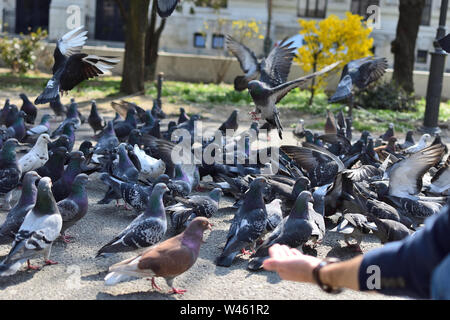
(193, 235)
(309, 136)
(426, 137)
(45, 203)
(258, 184)
(23, 97)
(216, 194)
(380, 187)
(45, 118)
(255, 87)
(43, 138)
(302, 184)
(164, 178)
(30, 179)
(155, 205)
(22, 114)
(86, 147)
(300, 209)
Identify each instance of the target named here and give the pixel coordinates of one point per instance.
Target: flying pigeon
(144, 231)
(359, 73)
(72, 67)
(39, 229)
(248, 223)
(168, 259)
(166, 7)
(29, 108)
(294, 230)
(37, 156)
(16, 215)
(75, 206)
(272, 86)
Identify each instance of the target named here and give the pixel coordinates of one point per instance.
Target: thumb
(270, 264)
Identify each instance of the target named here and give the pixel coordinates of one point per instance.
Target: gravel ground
(80, 276)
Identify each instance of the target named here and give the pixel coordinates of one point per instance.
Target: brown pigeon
(167, 259)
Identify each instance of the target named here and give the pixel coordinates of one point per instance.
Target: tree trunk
(267, 39)
(152, 36)
(404, 45)
(136, 20)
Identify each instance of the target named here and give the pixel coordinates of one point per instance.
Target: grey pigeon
(75, 206)
(95, 120)
(108, 140)
(274, 214)
(359, 73)
(354, 225)
(43, 127)
(194, 206)
(144, 231)
(72, 116)
(389, 230)
(58, 108)
(16, 215)
(39, 229)
(272, 86)
(248, 223)
(167, 259)
(294, 231)
(9, 168)
(29, 108)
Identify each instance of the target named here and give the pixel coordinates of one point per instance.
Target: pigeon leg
(66, 238)
(177, 291)
(31, 267)
(50, 262)
(246, 252)
(254, 116)
(154, 285)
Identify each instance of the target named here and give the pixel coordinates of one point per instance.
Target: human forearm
(342, 274)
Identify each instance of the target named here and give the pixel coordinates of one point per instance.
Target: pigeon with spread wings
(72, 67)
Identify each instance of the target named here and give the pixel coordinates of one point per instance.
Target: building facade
(200, 30)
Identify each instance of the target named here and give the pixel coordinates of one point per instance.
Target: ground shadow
(143, 295)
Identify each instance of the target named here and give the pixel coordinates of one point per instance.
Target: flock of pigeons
(372, 185)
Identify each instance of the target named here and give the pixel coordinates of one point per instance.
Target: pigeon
(144, 231)
(5, 111)
(274, 214)
(441, 180)
(42, 128)
(95, 120)
(124, 128)
(150, 168)
(37, 156)
(39, 229)
(405, 177)
(248, 223)
(17, 214)
(133, 194)
(389, 230)
(108, 141)
(62, 187)
(409, 141)
(230, 124)
(124, 169)
(9, 168)
(29, 108)
(54, 167)
(272, 86)
(354, 225)
(359, 73)
(75, 206)
(18, 129)
(72, 67)
(58, 108)
(294, 231)
(11, 113)
(62, 141)
(390, 132)
(183, 116)
(167, 259)
(422, 144)
(166, 7)
(194, 206)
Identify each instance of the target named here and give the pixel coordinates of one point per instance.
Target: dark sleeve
(405, 267)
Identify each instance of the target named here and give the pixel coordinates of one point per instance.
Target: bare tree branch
(122, 9)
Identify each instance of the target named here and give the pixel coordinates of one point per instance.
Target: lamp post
(436, 77)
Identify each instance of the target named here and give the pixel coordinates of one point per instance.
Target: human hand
(291, 264)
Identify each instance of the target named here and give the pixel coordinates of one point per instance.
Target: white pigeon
(419, 146)
(151, 168)
(41, 226)
(37, 156)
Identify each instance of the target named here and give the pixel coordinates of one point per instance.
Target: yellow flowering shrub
(331, 40)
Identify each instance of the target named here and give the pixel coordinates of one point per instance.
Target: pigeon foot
(177, 291)
(50, 262)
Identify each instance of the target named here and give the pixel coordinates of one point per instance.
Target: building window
(211, 3)
(199, 40)
(360, 7)
(218, 41)
(426, 13)
(422, 56)
(312, 8)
